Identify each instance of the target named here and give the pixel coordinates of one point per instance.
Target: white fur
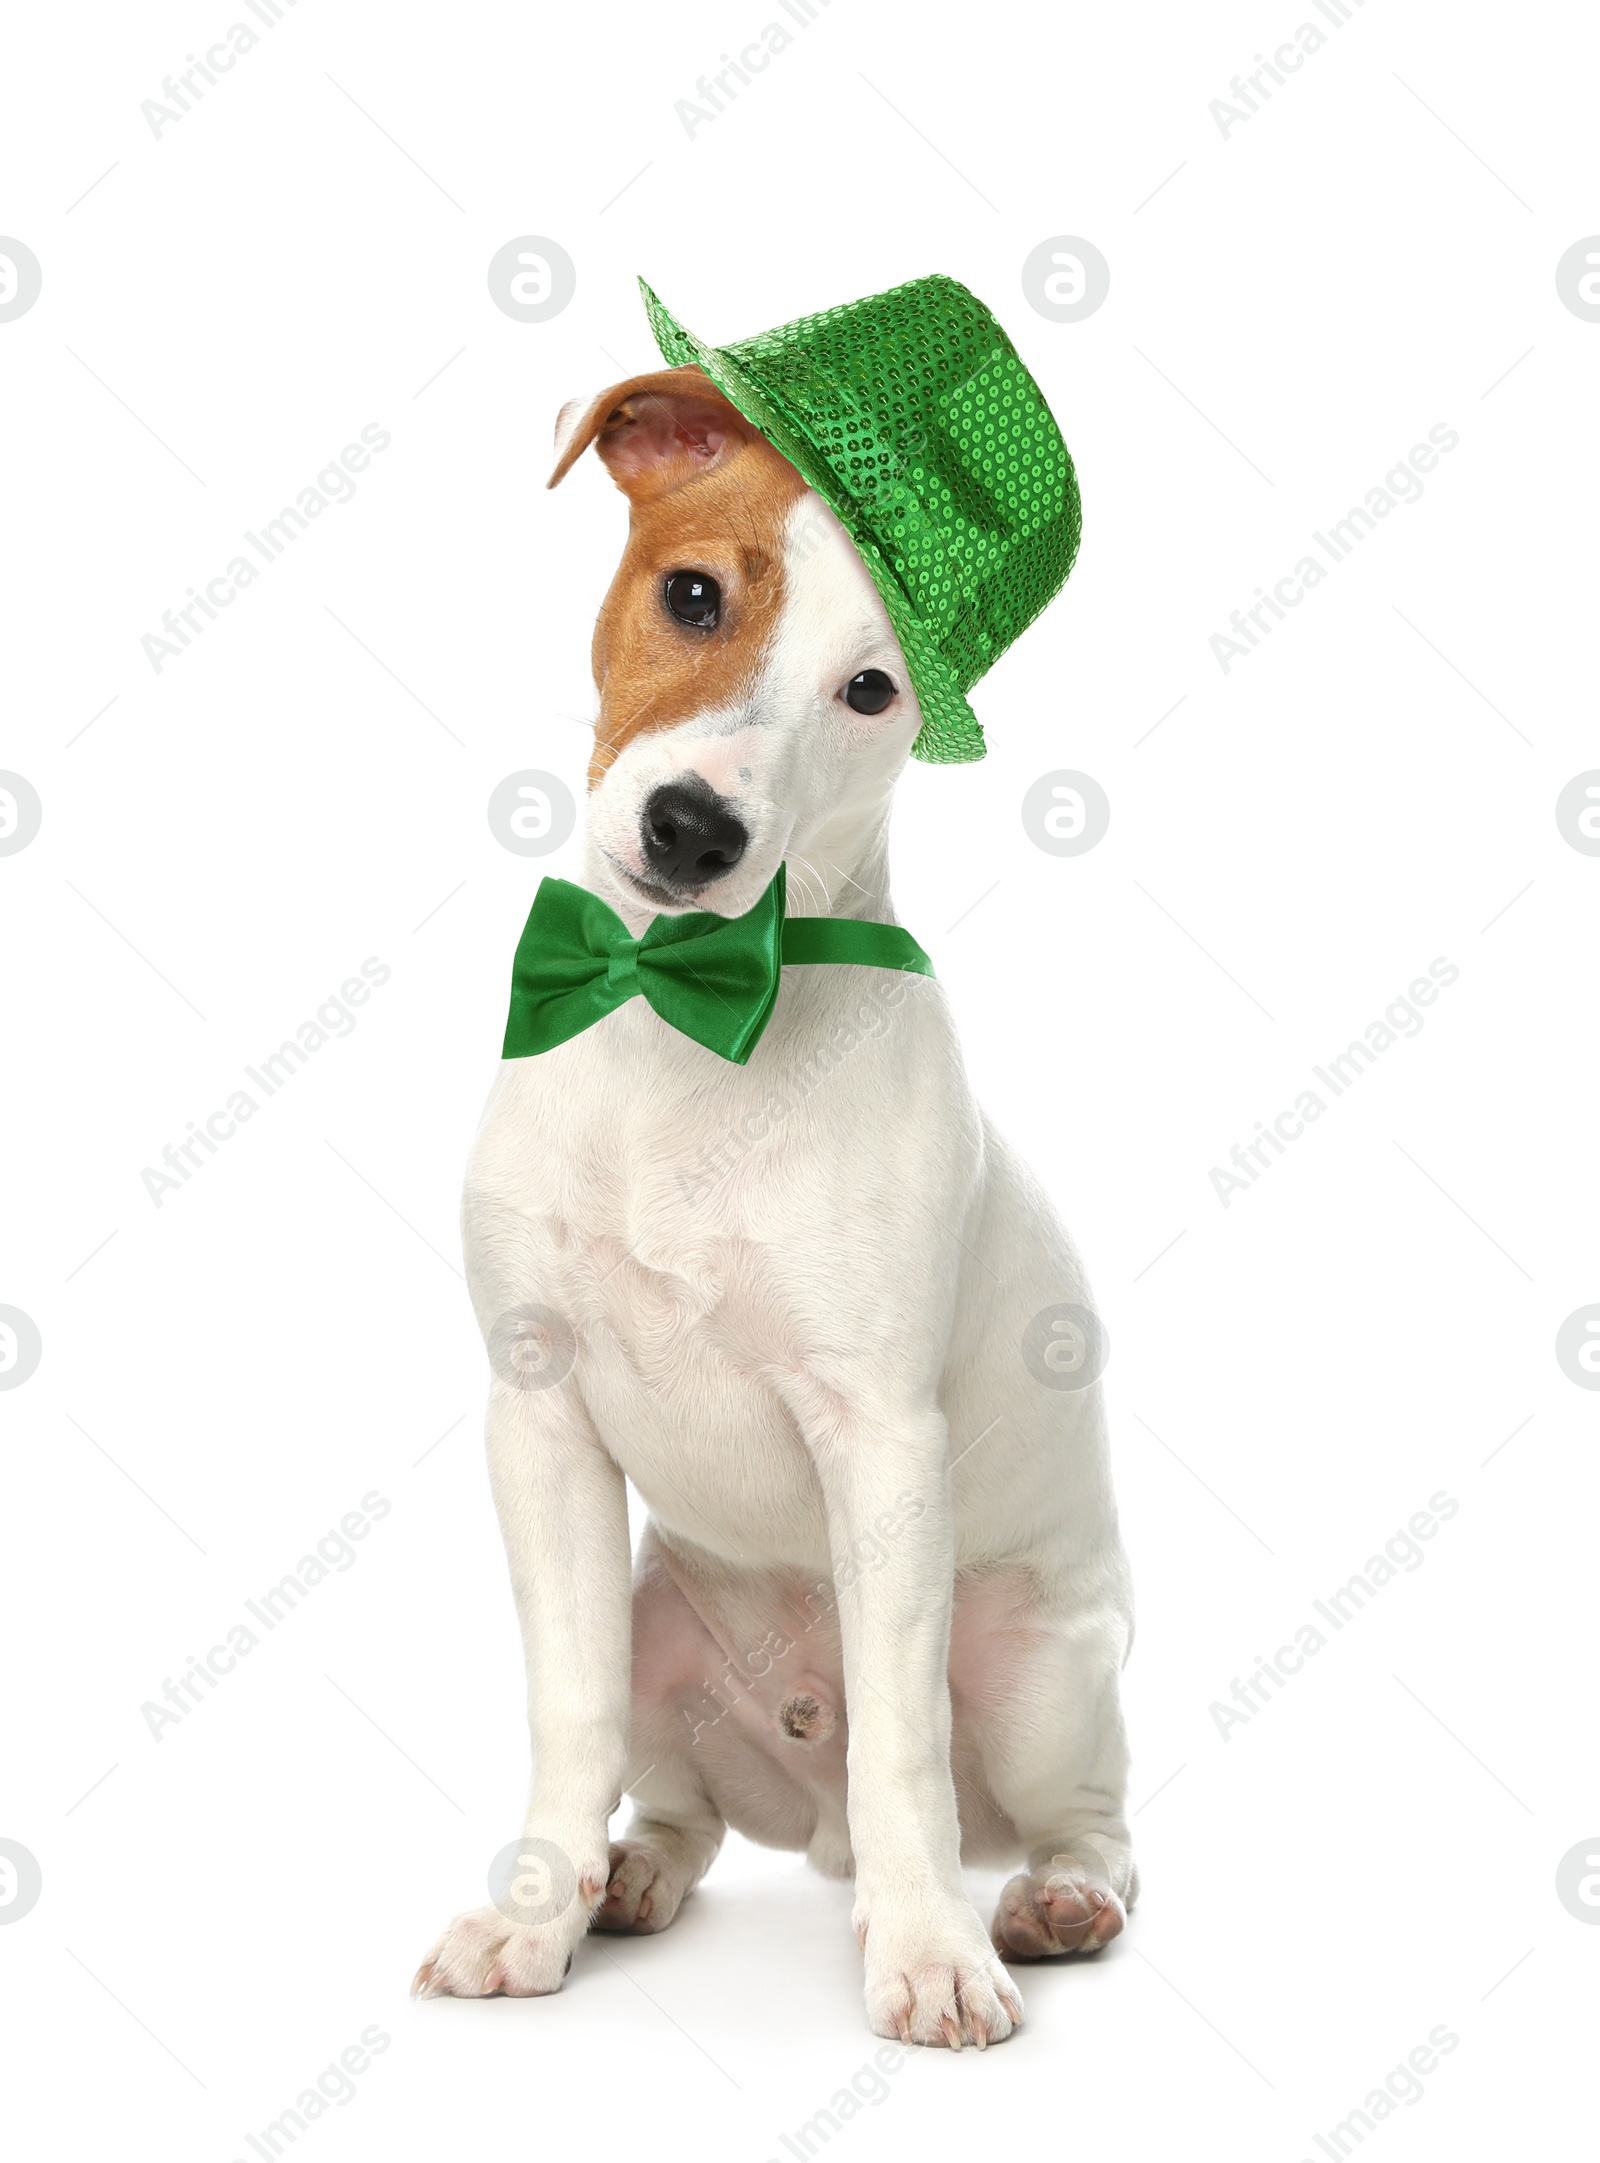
(796, 1303)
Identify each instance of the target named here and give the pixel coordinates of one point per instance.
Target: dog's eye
(693, 598)
(869, 692)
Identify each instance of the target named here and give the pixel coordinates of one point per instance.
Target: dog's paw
(1062, 1907)
(485, 1955)
(943, 1985)
(645, 1889)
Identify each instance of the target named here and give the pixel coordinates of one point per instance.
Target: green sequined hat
(914, 420)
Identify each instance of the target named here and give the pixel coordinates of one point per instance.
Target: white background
(225, 842)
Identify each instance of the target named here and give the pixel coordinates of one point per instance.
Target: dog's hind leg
(662, 1856)
(1040, 1699)
(676, 1828)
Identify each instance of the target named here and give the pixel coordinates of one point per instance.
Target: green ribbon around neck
(713, 978)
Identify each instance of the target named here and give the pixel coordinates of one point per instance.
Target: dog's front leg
(564, 1516)
(932, 1975)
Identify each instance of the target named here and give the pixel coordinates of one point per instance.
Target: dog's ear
(653, 432)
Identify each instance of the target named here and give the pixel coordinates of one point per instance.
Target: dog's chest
(687, 1345)
(710, 1234)
(681, 1308)
(632, 1165)
(655, 1202)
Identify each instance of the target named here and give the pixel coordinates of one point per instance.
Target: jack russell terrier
(736, 1230)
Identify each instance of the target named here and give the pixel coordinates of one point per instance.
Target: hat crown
(912, 415)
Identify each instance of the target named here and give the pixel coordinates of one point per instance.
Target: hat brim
(950, 733)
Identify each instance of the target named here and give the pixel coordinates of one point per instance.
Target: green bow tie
(714, 978)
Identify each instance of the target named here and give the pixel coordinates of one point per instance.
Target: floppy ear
(653, 432)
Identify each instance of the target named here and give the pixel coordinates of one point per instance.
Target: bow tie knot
(622, 965)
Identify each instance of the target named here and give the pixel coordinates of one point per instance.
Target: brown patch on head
(708, 493)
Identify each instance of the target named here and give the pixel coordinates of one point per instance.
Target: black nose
(689, 834)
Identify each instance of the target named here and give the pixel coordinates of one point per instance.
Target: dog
(881, 1608)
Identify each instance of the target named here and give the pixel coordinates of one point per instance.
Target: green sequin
(913, 418)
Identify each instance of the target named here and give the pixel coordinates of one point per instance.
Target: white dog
(806, 1306)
